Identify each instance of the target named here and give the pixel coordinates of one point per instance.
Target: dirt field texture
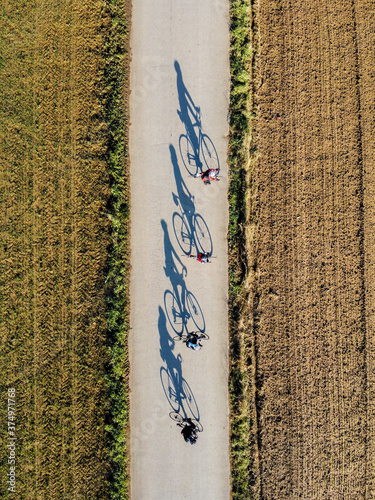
(312, 291)
(53, 251)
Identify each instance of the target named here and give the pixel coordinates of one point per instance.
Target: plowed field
(314, 328)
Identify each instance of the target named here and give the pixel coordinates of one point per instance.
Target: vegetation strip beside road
(116, 54)
(241, 243)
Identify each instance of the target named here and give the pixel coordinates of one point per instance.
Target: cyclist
(209, 175)
(194, 342)
(202, 257)
(188, 431)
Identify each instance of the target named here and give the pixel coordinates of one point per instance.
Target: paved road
(179, 63)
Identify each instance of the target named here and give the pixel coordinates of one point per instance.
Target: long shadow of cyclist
(197, 150)
(176, 389)
(189, 113)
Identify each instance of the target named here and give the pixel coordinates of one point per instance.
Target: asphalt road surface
(179, 106)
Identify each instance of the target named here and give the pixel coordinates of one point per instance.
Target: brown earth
(314, 315)
(53, 249)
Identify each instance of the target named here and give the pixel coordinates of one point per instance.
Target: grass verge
(242, 253)
(116, 54)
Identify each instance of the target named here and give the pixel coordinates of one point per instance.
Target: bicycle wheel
(202, 236)
(176, 417)
(182, 232)
(195, 312)
(204, 336)
(200, 335)
(197, 334)
(188, 155)
(209, 153)
(183, 337)
(198, 425)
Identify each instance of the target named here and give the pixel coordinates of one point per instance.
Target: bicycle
(191, 155)
(185, 337)
(190, 427)
(202, 257)
(208, 176)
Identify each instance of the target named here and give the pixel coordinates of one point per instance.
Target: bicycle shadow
(189, 227)
(177, 391)
(188, 112)
(181, 306)
(196, 148)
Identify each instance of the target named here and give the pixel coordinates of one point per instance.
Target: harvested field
(55, 235)
(309, 307)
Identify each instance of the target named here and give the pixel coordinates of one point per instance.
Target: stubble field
(56, 241)
(308, 315)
